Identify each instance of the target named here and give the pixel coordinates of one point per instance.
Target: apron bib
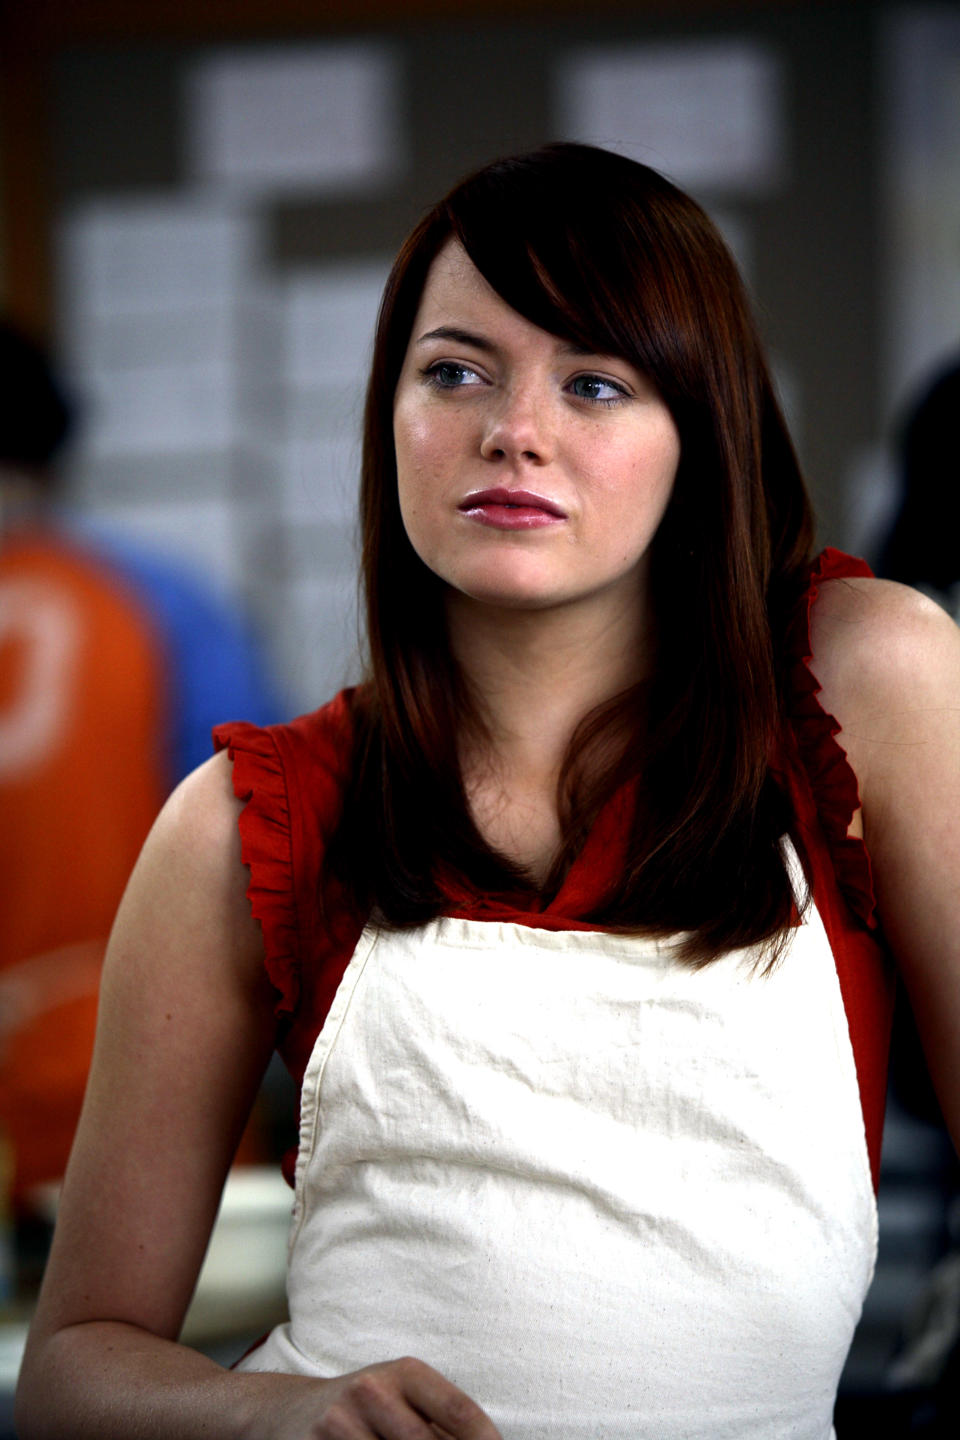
(605, 1194)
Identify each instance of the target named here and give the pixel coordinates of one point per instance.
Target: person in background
(113, 669)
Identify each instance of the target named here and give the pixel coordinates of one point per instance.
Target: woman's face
(531, 475)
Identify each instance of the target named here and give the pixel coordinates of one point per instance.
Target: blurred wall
(223, 208)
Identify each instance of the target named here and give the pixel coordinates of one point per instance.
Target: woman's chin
(506, 597)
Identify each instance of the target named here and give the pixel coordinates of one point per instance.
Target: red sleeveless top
(292, 778)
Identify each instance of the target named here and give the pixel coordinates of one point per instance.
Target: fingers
(372, 1402)
(402, 1400)
(447, 1408)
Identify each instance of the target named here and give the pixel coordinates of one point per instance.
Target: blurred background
(198, 207)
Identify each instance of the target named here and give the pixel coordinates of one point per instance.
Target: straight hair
(608, 254)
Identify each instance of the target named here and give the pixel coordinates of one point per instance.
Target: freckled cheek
(630, 476)
(424, 451)
(422, 492)
(420, 488)
(411, 476)
(630, 495)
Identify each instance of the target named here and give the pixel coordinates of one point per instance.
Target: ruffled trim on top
(266, 849)
(832, 780)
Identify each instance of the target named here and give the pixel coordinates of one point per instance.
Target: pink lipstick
(504, 509)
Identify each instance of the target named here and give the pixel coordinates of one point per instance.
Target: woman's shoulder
(887, 659)
(858, 644)
(201, 813)
(190, 870)
(873, 640)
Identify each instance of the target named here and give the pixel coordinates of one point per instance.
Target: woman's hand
(397, 1400)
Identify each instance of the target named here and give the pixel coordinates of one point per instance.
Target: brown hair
(608, 254)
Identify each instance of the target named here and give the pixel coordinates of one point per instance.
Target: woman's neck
(537, 674)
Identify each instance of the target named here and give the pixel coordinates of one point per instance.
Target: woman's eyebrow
(458, 336)
(480, 342)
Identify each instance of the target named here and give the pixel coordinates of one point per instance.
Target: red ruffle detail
(832, 781)
(266, 850)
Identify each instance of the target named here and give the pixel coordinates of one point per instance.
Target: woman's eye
(448, 375)
(594, 387)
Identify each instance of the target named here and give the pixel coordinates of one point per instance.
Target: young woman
(564, 919)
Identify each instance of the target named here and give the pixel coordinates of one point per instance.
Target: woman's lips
(512, 509)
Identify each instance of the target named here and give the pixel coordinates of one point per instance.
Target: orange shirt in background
(83, 772)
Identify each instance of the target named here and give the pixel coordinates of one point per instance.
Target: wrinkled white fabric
(607, 1195)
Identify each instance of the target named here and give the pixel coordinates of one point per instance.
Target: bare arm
(183, 1035)
(889, 663)
(185, 1031)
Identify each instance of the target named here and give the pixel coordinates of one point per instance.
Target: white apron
(605, 1194)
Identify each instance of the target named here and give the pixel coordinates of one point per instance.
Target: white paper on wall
(321, 481)
(318, 641)
(160, 410)
(316, 118)
(708, 114)
(331, 315)
(98, 483)
(198, 334)
(329, 320)
(118, 256)
(153, 293)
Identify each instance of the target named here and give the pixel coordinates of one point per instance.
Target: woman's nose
(518, 429)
